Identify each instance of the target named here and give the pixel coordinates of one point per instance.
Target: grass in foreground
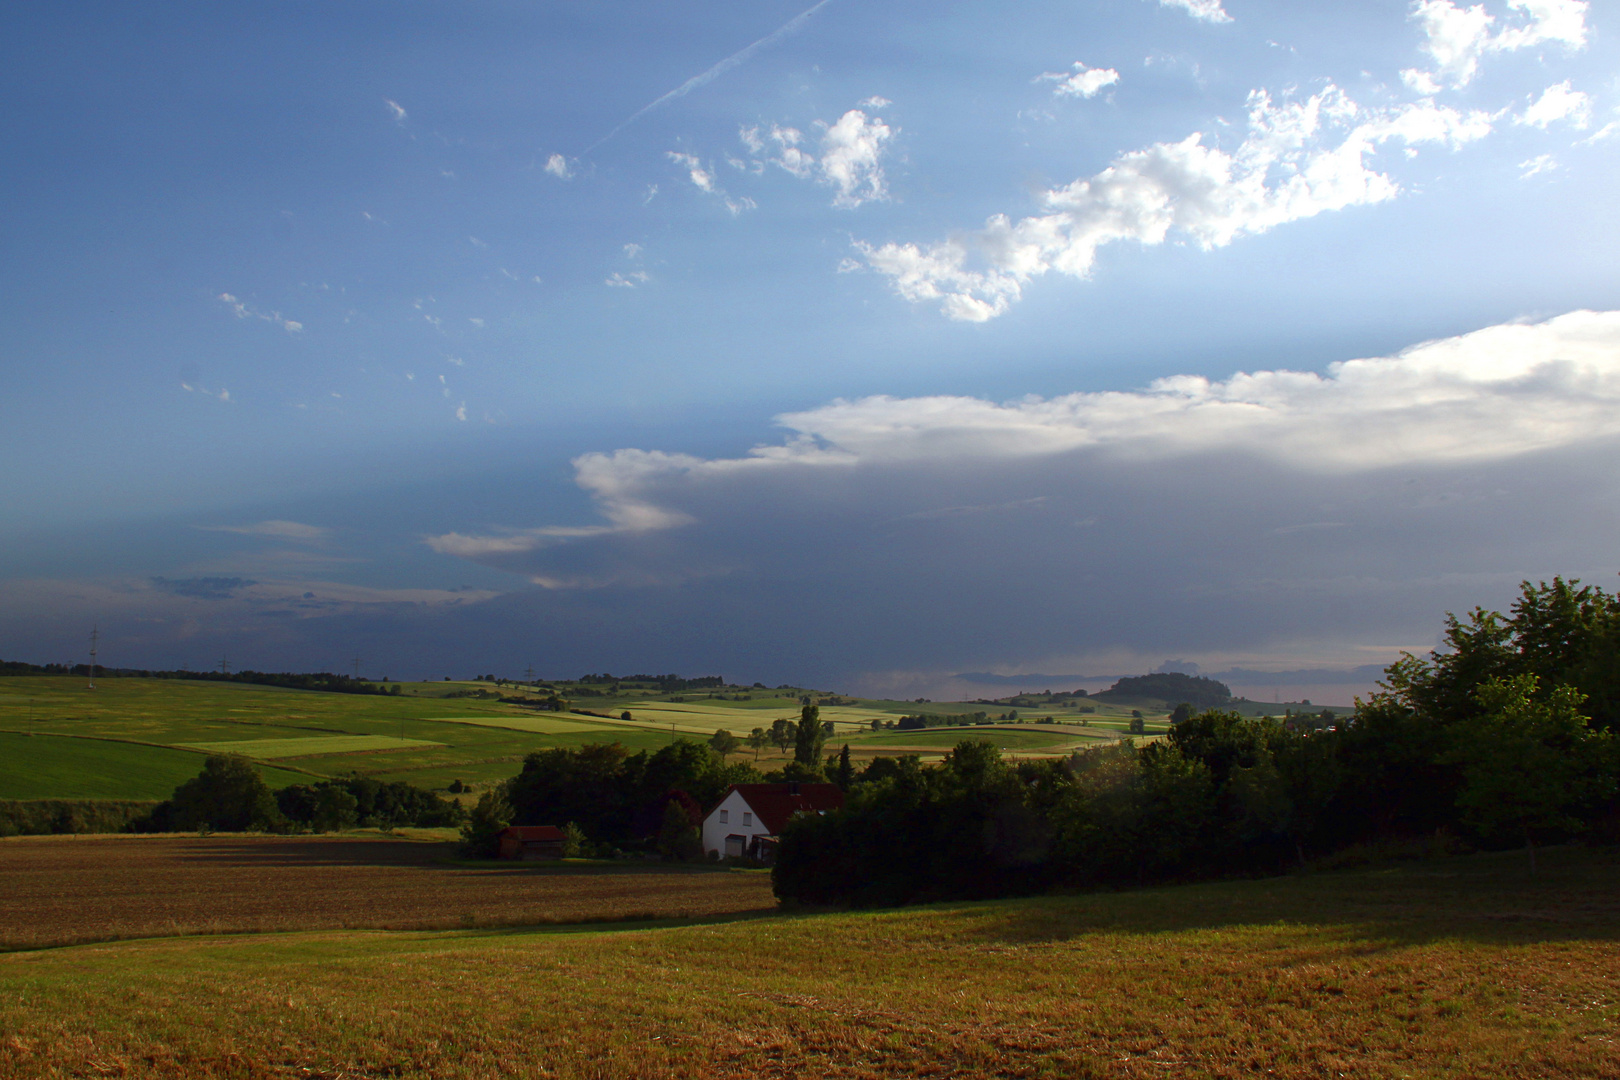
(1466, 967)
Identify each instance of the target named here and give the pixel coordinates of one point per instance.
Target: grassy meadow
(1463, 967)
(133, 738)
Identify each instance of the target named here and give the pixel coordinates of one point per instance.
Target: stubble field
(1464, 967)
(64, 890)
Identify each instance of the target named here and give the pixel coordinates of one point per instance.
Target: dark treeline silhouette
(1504, 738)
(229, 795)
(928, 720)
(1195, 690)
(315, 680)
(667, 684)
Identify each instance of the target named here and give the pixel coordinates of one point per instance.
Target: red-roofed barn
(531, 842)
(748, 821)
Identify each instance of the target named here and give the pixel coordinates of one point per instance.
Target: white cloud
(1558, 103)
(1542, 163)
(396, 110)
(558, 166)
(851, 152)
(703, 179)
(850, 158)
(1494, 394)
(1457, 38)
(874, 102)
(1083, 82)
(1286, 169)
(242, 310)
(1209, 11)
(461, 411)
(626, 281)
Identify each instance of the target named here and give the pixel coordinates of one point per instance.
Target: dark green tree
(844, 774)
(1529, 762)
(228, 795)
(809, 737)
(678, 837)
(724, 742)
(481, 834)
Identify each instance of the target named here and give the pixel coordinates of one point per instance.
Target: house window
(748, 819)
(724, 816)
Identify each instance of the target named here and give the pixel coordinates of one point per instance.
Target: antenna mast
(95, 635)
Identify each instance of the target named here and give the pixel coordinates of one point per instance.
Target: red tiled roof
(534, 833)
(776, 803)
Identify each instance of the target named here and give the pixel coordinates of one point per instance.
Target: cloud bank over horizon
(1371, 497)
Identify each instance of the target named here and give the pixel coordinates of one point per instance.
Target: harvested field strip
(161, 885)
(1465, 968)
(541, 725)
(308, 746)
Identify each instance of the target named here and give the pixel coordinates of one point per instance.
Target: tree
(481, 834)
(1528, 763)
(678, 837)
(1181, 713)
(757, 740)
(724, 742)
(782, 733)
(844, 774)
(809, 737)
(335, 808)
(1138, 723)
(573, 841)
(228, 795)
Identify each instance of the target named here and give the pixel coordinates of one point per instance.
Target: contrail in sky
(790, 27)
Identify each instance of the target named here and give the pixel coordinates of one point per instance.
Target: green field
(139, 738)
(1467, 967)
(62, 767)
(309, 746)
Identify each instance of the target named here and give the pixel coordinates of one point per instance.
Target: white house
(751, 816)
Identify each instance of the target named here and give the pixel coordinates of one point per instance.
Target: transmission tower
(529, 671)
(356, 662)
(95, 636)
(224, 664)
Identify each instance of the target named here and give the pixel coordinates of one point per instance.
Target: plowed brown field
(62, 890)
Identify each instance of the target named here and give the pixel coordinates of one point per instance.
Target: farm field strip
(167, 884)
(1466, 967)
(308, 746)
(51, 766)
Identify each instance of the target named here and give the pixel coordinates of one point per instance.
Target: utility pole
(95, 635)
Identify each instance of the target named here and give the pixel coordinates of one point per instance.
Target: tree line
(1503, 738)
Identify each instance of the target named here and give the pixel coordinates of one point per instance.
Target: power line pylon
(95, 636)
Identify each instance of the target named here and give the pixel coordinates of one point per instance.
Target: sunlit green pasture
(309, 746)
(426, 735)
(62, 767)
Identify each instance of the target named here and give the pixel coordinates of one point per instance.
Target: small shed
(532, 842)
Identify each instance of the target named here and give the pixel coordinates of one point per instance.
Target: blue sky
(892, 341)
